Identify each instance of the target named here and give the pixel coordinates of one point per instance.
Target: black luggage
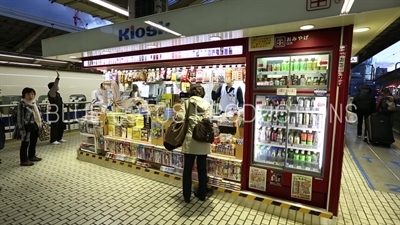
(380, 130)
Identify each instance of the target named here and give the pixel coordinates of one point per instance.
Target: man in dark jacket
(364, 103)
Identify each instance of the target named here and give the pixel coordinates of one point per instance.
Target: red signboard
(307, 39)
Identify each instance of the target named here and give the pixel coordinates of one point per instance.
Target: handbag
(204, 131)
(176, 133)
(44, 132)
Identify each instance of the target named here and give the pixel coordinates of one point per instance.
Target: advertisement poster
(301, 187)
(276, 178)
(258, 179)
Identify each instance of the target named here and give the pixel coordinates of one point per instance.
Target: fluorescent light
(361, 29)
(112, 7)
(24, 64)
(151, 46)
(105, 52)
(347, 6)
(215, 38)
(51, 61)
(72, 57)
(163, 28)
(16, 57)
(307, 27)
(18, 63)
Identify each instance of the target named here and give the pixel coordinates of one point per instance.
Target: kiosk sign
(139, 32)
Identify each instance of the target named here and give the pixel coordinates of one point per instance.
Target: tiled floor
(63, 190)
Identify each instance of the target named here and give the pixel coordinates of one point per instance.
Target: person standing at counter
(56, 115)
(230, 95)
(98, 96)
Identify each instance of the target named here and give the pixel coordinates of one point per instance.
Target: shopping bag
(176, 133)
(44, 132)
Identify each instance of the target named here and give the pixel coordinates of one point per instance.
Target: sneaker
(35, 159)
(55, 143)
(28, 163)
(63, 141)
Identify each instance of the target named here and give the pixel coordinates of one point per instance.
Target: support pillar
(131, 9)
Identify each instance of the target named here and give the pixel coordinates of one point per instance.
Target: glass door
(289, 132)
(306, 133)
(302, 71)
(270, 127)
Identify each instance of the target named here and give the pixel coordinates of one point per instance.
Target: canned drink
(300, 118)
(312, 103)
(307, 103)
(314, 119)
(293, 119)
(300, 102)
(306, 119)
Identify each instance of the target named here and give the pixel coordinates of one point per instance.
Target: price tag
(308, 168)
(301, 108)
(286, 91)
(307, 109)
(298, 167)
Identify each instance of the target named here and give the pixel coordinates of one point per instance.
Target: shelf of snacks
(290, 132)
(138, 139)
(198, 74)
(302, 71)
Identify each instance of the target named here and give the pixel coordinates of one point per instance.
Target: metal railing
(72, 112)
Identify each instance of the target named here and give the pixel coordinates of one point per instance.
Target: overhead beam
(29, 40)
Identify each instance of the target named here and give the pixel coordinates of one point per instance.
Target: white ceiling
(377, 21)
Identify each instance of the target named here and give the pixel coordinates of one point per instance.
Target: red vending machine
(294, 90)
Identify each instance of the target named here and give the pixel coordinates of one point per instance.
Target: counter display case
(300, 71)
(289, 133)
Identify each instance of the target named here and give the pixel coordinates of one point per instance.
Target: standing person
(98, 95)
(364, 102)
(197, 109)
(231, 96)
(56, 114)
(385, 104)
(29, 120)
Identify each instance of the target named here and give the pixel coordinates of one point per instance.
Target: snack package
(199, 76)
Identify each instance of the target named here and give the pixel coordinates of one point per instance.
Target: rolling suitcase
(380, 130)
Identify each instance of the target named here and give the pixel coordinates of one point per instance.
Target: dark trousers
(362, 118)
(57, 131)
(28, 148)
(201, 163)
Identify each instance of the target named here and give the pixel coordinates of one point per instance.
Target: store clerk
(231, 96)
(98, 95)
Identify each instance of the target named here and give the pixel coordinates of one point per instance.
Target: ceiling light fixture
(361, 29)
(72, 57)
(105, 52)
(307, 27)
(346, 7)
(215, 38)
(111, 7)
(18, 63)
(16, 57)
(51, 61)
(163, 28)
(151, 46)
